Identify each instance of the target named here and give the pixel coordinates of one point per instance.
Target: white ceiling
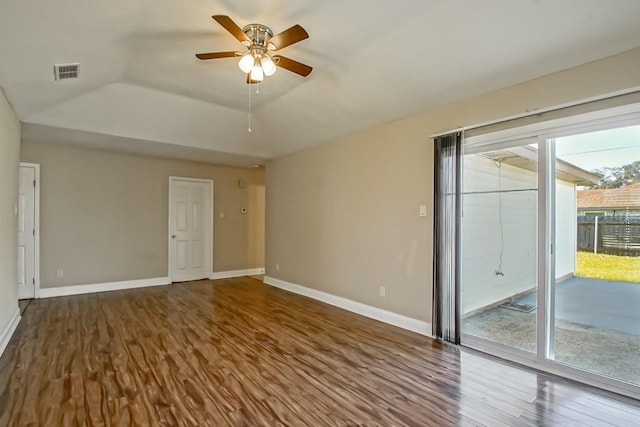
(374, 62)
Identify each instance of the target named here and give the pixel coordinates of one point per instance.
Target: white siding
(566, 228)
(481, 232)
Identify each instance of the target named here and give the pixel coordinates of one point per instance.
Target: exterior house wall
(566, 229)
(489, 234)
(619, 201)
(599, 211)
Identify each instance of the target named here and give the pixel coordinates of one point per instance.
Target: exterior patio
(597, 326)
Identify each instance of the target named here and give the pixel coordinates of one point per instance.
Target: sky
(606, 148)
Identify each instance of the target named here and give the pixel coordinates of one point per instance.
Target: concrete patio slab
(597, 303)
(597, 327)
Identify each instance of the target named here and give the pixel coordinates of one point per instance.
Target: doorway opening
(548, 263)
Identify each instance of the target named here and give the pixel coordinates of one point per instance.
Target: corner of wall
(9, 167)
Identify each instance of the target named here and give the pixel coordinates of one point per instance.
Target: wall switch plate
(423, 210)
(221, 214)
(59, 273)
(383, 291)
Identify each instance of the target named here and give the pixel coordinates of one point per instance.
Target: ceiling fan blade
(228, 24)
(216, 55)
(287, 38)
(291, 65)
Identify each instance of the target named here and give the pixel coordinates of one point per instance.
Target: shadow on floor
(23, 304)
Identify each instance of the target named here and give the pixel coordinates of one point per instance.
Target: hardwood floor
(237, 352)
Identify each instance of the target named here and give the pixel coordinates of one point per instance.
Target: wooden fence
(613, 235)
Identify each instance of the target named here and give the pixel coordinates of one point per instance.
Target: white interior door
(190, 229)
(26, 233)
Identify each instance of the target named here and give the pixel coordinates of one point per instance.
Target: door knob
(173, 236)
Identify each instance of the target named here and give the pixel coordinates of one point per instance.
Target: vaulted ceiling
(141, 88)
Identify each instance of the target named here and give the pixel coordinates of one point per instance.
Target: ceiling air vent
(66, 71)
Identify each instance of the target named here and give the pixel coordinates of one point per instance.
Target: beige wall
(9, 158)
(104, 215)
(342, 217)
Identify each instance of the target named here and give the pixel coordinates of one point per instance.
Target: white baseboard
(102, 287)
(236, 273)
(8, 330)
(404, 322)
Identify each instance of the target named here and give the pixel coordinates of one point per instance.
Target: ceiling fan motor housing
(259, 35)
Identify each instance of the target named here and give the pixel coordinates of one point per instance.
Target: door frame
(208, 222)
(544, 133)
(36, 225)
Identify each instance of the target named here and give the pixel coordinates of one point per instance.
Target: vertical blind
(447, 237)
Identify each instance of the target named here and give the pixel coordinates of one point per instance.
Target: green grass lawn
(608, 267)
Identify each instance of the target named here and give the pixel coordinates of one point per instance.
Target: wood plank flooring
(237, 352)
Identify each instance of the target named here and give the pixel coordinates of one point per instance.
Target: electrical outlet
(277, 267)
(59, 273)
(383, 292)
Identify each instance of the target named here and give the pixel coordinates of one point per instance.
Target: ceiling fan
(258, 62)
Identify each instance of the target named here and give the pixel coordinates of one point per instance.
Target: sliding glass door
(549, 262)
(498, 271)
(596, 292)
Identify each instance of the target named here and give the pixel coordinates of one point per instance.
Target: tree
(618, 176)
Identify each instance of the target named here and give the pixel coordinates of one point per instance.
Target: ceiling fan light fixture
(257, 62)
(246, 63)
(268, 66)
(257, 75)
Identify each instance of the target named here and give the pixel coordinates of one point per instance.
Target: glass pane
(597, 289)
(498, 246)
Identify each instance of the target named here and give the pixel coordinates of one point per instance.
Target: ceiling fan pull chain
(249, 109)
